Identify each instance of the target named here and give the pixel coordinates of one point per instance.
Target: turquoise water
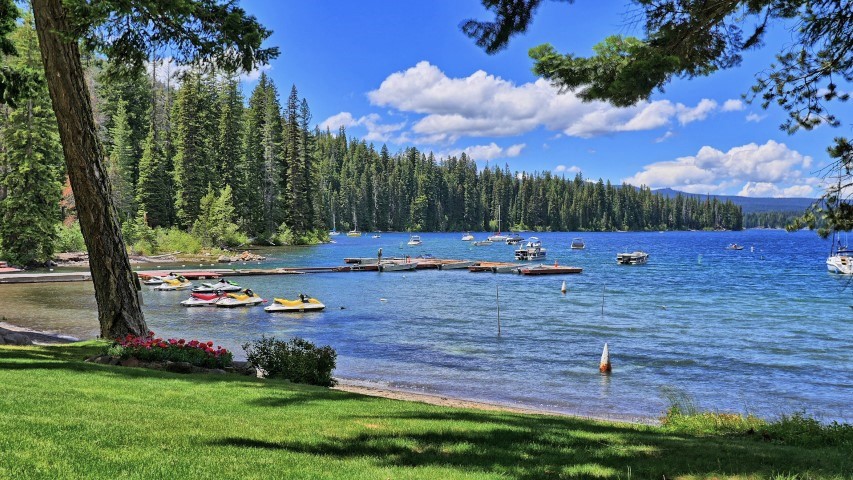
(765, 332)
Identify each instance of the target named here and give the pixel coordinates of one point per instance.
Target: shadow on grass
(532, 447)
(306, 394)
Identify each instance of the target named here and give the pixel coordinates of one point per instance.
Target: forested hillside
(190, 153)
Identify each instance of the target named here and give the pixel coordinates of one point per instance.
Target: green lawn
(63, 418)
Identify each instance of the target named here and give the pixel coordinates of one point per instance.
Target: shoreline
(361, 387)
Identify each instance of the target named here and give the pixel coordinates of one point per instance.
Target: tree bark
(119, 311)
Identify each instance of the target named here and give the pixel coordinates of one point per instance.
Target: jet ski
(179, 283)
(246, 298)
(301, 304)
(203, 299)
(221, 286)
(154, 281)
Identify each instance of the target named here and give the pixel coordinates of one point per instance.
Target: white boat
(353, 233)
(179, 283)
(153, 281)
(467, 237)
(734, 246)
(840, 258)
(376, 236)
(302, 304)
(414, 241)
(247, 298)
(220, 286)
(397, 266)
(532, 250)
(577, 244)
(483, 243)
(334, 232)
(634, 258)
(514, 239)
(498, 237)
(203, 299)
(460, 265)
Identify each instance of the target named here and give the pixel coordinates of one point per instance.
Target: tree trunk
(119, 311)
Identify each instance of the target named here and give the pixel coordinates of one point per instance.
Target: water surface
(766, 331)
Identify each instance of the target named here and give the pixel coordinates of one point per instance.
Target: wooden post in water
(604, 366)
(498, 303)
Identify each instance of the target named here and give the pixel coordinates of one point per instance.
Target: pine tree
(123, 164)
(33, 163)
(154, 189)
(295, 179)
(229, 142)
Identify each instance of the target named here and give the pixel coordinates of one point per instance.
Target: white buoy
(604, 366)
(563, 289)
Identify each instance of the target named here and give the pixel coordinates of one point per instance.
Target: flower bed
(155, 349)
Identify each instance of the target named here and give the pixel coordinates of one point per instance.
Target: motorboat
(577, 244)
(511, 268)
(301, 304)
(414, 241)
(634, 258)
(532, 250)
(220, 286)
(203, 299)
(514, 239)
(179, 283)
(734, 246)
(397, 266)
(840, 258)
(482, 243)
(246, 298)
(459, 265)
(467, 237)
(376, 235)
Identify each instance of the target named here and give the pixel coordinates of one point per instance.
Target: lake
(764, 330)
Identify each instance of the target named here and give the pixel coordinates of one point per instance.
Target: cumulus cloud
(754, 117)
(733, 105)
(376, 131)
(488, 152)
(771, 169)
(565, 169)
(484, 105)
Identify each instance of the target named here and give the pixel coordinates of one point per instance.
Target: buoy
(604, 366)
(563, 289)
(383, 300)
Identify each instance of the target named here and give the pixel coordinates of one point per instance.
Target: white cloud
(565, 169)
(376, 131)
(484, 105)
(754, 117)
(771, 169)
(488, 152)
(733, 105)
(665, 136)
(254, 74)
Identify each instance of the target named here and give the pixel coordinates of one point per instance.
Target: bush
(297, 360)
(70, 238)
(153, 349)
(286, 236)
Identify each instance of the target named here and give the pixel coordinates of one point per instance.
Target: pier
(351, 265)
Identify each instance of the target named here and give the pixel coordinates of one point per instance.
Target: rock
(18, 339)
(223, 259)
(178, 367)
(114, 361)
(130, 362)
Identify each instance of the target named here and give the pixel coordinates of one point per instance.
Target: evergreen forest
(188, 152)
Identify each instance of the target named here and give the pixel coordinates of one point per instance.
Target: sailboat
(498, 237)
(840, 258)
(354, 232)
(334, 231)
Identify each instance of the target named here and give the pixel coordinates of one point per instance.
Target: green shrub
(297, 360)
(312, 237)
(70, 238)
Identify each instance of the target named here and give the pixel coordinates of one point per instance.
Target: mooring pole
(498, 304)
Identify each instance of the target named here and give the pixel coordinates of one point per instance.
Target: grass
(63, 418)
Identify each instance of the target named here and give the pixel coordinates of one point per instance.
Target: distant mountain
(751, 204)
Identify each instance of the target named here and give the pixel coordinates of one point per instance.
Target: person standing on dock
(379, 255)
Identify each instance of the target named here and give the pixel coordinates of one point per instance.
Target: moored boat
(179, 283)
(302, 304)
(532, 250)
(734, 246)
(203, 299)
(460, 265)
(467, 237)
(220, 286)
(247, 298)
(397, 266)
(514, 239)
(414, 241)
(482, 243)
(577, 244)
(353, 233)
(633, 258)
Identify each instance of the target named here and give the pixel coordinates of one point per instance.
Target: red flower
(210, 343)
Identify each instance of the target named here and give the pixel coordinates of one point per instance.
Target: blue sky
(402, 73)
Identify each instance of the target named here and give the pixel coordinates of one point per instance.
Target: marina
(673, 324)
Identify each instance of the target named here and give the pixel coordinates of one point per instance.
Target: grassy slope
(62, 418)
